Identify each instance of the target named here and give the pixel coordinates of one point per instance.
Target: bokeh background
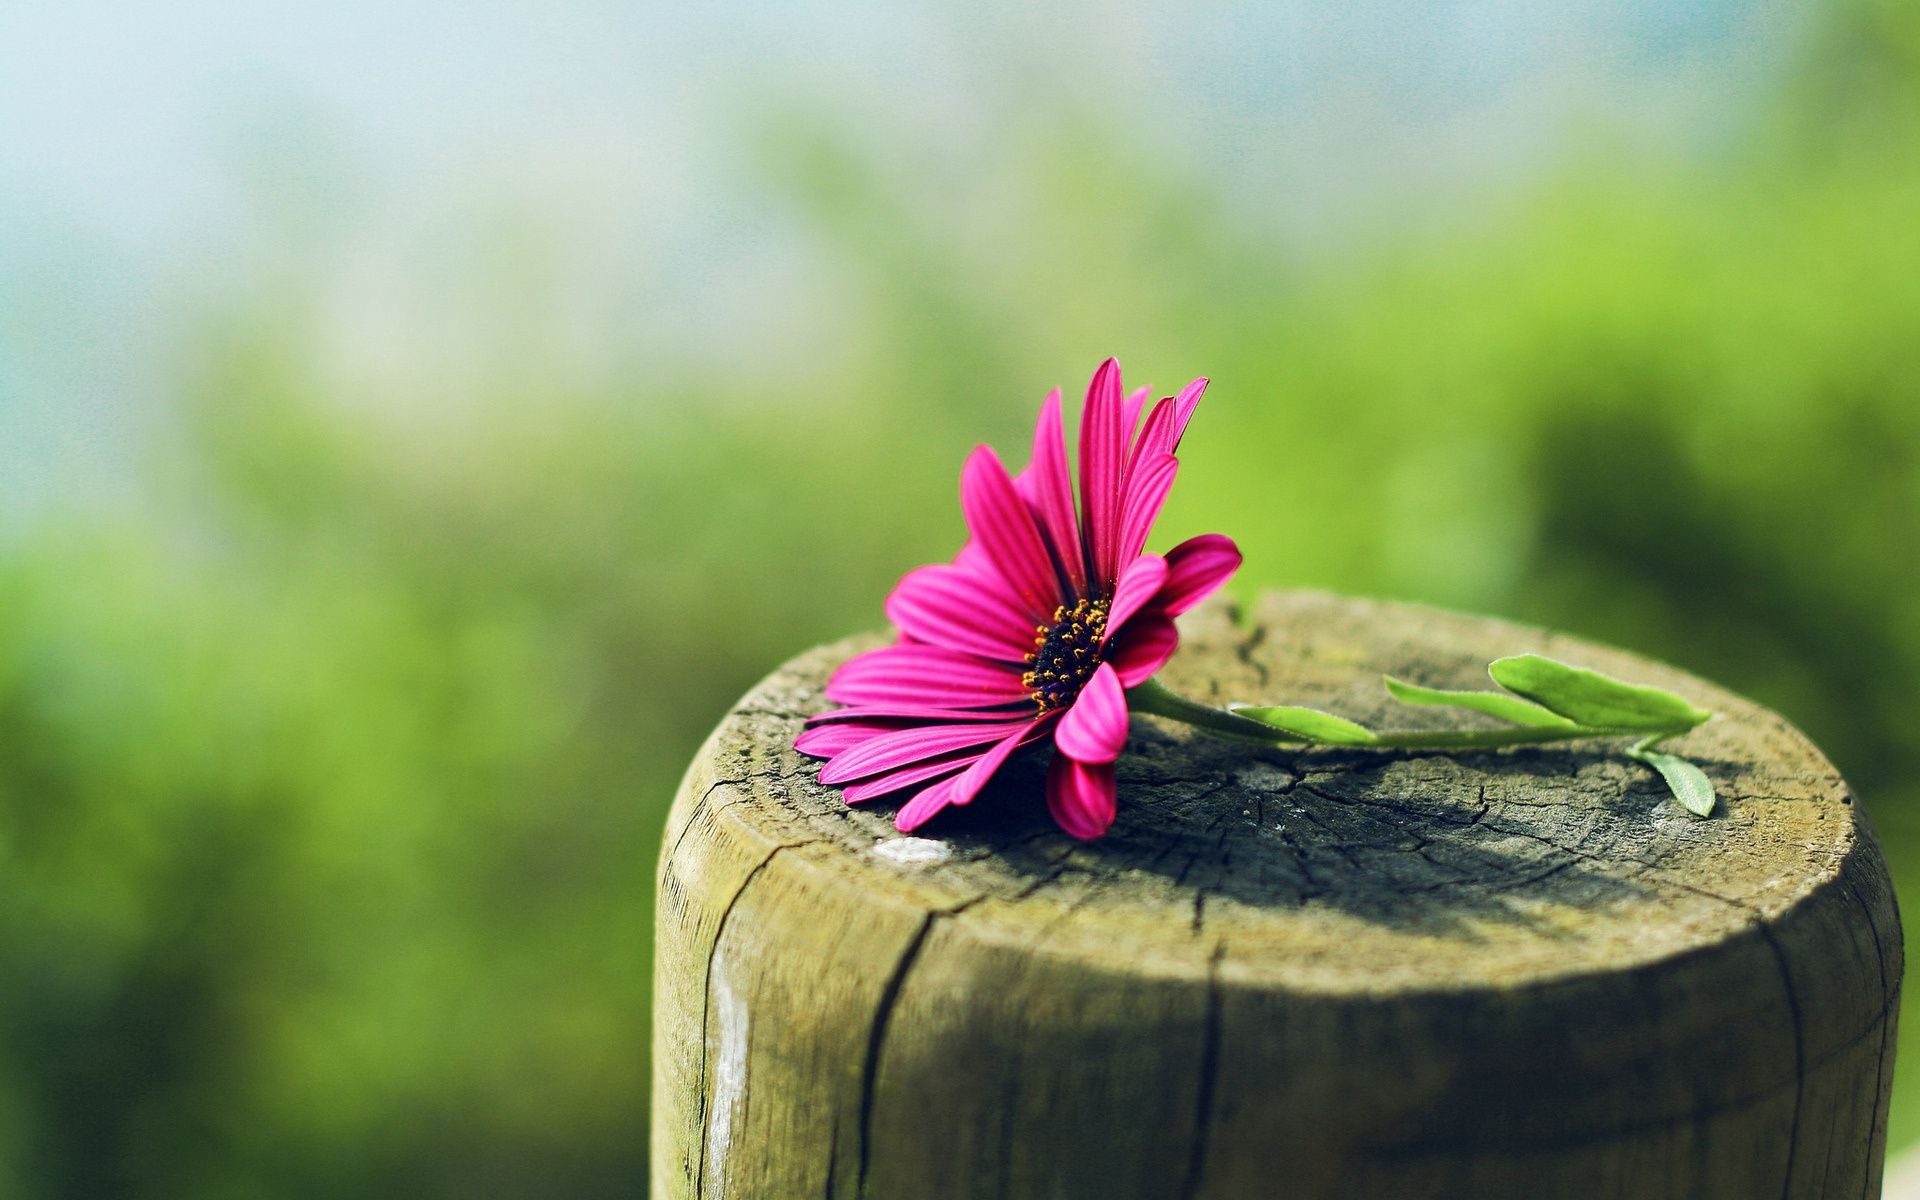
(417, 423)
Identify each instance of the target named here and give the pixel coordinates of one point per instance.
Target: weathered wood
(1514, 974)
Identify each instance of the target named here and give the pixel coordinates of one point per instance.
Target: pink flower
(1037, 628)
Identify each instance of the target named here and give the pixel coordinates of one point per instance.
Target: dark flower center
(1065, 653)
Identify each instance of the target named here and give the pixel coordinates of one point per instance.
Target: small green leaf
(1494, 704)
(1591, 698)
(1309, 724)
(1689, 783)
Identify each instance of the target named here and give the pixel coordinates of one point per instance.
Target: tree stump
(1524, 973)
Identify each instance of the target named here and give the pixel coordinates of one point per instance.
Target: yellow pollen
(1065, 653)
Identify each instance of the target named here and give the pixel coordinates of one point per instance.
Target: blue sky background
(157, 162)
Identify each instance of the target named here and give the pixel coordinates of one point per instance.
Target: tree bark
(1524, 973)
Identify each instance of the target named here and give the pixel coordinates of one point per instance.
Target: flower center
(1065, 653)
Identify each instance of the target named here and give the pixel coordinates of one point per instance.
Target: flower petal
(1130, 413)
(962, 788)
(1195, 568)
(1095, 727)
(916, 712)
(1167, 423)
(1048, 490)
(921, 809)
(1080, 796)
(1145, 647)
(967, 786)
(1004, 528)
(1153, 435)
(1183, 406)
(929, 675)
(973, 558)
(962, 610)
(893, 781)
(825, 741)
(916, 743)
(1139, 583)
(1147, 490)
(1102, 458)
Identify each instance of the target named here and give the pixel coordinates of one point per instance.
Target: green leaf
(1309, 724)
(1593, 699)
(1494, 704)
(1689, 783)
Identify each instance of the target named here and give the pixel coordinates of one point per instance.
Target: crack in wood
(876, 1042)
(1209, 1077)
(706, 1013)
(1799, 1053)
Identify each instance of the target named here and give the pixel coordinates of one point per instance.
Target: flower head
(1038, 626)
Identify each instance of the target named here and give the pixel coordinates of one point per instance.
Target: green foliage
(1494, 704)
(1307, 724)
(1592, 699)
(1578, 704)
(1689, 784)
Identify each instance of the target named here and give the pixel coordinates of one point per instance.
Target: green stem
(1151, 697)
(1486, 739)
(1643, 749)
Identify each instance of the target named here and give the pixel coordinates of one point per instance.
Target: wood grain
(1321, 974)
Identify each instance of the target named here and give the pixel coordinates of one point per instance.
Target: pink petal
(1167, 423)
(1136, 404)
(1048, 489)
(1004, 528)
(967, 786)
(961, 610)
(919, 713)
(1095, 727)
(901, 747)
(1153, 437)
(1102, 457)
(825, 741)
(893, 781)
(1145, 647)
(921, 809)
(1081, 796)
(1147, 490)
(973, 558)
(1195, 568)
(1183, 406)
(961, 789)
(1139, 583)
(924, 675)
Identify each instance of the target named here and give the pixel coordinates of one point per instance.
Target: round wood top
(1330, 871)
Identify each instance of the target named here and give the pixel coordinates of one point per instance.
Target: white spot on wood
(1263, 777)
(913, 851)
(729, 1073)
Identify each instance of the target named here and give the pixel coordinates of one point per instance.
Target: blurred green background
(416, 428)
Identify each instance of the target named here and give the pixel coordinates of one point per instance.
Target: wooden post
(1515, 974)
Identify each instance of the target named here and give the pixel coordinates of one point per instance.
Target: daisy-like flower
(1036, 629)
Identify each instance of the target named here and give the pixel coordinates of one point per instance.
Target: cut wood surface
(1525, 973)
